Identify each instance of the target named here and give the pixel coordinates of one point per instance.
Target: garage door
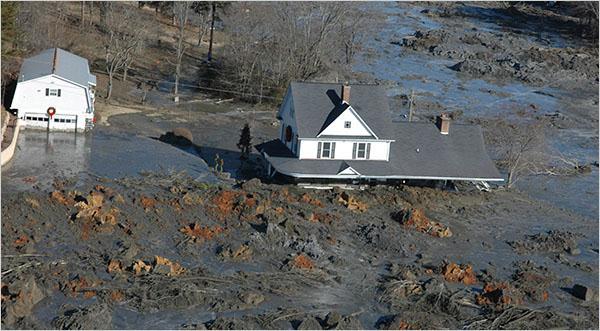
(36, 119)
(64, 122)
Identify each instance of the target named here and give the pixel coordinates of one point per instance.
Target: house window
(53, 92)
(361, 151)
(347, 124)
(326, 150)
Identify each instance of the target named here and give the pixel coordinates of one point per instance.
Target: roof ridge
(54, 60)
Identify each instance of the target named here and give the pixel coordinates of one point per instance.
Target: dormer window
(347, 124)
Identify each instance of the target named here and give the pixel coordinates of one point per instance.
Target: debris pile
(165, 266)
(415, 218)
(161, 265)
(59, 196)
(551, 241)
(459, 273)
(302, 261)
(224, 203)
(350, 202)
(326, 218)
(306, 198)
(497, 293)
(94, 209)
(532, 280)
(242, 253)
(114, 266)
(199, 233)
(80, 285)
(147, 203)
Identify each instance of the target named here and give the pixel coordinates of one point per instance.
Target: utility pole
(410, 105)
(212, 29)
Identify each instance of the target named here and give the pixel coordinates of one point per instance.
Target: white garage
(55, 91)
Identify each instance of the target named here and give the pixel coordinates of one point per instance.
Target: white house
(335, 132)
(55, 91)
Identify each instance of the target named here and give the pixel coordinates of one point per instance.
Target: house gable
(348, 123)
(347, 170)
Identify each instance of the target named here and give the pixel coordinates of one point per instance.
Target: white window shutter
(368, 150)
(354, 146)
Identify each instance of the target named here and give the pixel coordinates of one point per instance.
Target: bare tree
(201, 18)
(520, 149)
(180, 12)
(121, 42)
(43, 25)
(271, 44)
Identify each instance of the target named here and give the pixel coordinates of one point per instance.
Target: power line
(206, 88)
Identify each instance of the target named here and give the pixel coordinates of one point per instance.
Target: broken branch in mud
(22, 266)
(23, 255)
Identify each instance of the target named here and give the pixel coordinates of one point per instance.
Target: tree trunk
(177, 71)
(200, 34)
(509, 181)
(212, 29)
(91, 13)
(109, 88)
(82, 22)
(125, 71)
(103, 12)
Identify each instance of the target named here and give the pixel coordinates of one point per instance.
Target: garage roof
(59, 62)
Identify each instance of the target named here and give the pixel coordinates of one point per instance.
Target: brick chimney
(443, 123)
(346, 93)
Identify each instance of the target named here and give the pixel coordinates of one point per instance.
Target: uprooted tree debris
(219, 248)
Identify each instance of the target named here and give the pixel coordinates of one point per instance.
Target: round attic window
(288, 133)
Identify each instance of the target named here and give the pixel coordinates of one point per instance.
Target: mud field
(169, 252)
(136, 233)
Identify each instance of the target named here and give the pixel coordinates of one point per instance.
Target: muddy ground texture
(533, 45)
(526, 49)
(269, 256)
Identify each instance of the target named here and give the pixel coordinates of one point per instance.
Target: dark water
(42, 156)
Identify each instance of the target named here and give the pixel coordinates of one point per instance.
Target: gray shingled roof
(459, 155)
(316, 104)
(57, 61)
